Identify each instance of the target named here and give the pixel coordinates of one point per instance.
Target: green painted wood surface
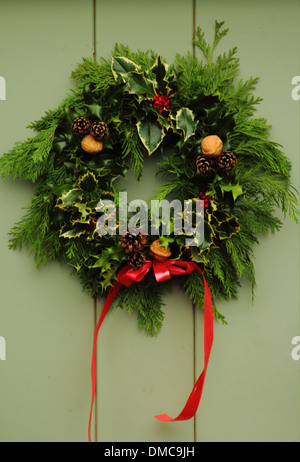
(252, 387)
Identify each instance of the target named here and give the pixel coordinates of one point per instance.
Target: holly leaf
(160, 70)
(185, 122)
(76, 231)
(109, 275)
(83, 209)
(106, 258)
(223, 225)
(67, 200)
(122, 66)
(151, 134)
(139, 85)
(198, 255)
(88, 182)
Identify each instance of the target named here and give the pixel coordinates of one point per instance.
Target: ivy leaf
(88, 182)
(165, 241)
(59, 146)
(151, 134)
(185, 121)
(94, 111)
(235, 189)
(121, 66)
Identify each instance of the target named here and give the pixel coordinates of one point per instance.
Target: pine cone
(81, 126)
(226, 161)
(133, 243)
(204, 164)
(99, 130)
(136, 259)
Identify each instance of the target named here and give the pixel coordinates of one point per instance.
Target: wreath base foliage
(205, 98)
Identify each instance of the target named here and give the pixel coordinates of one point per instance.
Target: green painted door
(46, 321)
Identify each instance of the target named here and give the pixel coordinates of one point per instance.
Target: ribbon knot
(162, 272)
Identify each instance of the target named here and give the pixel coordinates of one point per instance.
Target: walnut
(159, 252)
(212, 146)
(90, 145)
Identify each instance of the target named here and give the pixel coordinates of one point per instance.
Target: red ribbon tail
(108, 302)
(194, 399)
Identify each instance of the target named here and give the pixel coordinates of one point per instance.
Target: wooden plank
(252, 389)
(45, 318)
(145, 376)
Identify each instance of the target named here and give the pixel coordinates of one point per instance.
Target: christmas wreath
(197, 118)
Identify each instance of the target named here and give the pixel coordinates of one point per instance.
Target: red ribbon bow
(162, 271)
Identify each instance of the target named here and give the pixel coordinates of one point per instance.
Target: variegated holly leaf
(122, 66)
(160, 70)
(151, 134)
(71, 233)
(185, 122)
(139, 85)
(67, 200)
(199, 255)
(88, 182)
(135, 80)
(224, 226)
(84, 209)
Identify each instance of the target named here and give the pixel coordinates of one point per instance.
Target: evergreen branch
(257, 216)
(202, 44)
(219, 34)
(50, 119)
(32, 231)
(194, 289)
(95, 74)
(273, 189)
(132, 149)
(147, 302)
(31, 158)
